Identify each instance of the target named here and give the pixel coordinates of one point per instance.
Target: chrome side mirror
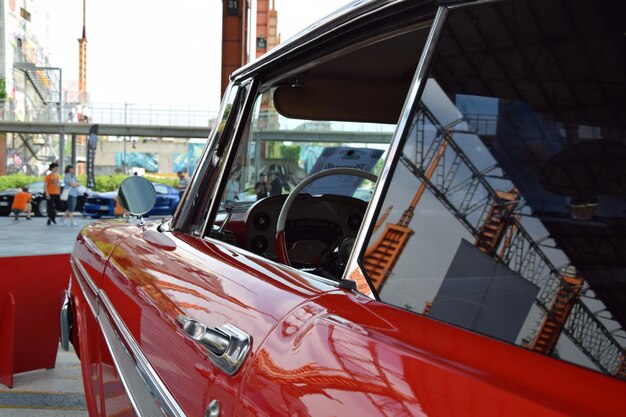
(137, 196)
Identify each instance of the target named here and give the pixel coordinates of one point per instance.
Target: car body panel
(294, 322)
(100, 204)
(6, 200)
(85, 338)
(352, 355)
(150, 297)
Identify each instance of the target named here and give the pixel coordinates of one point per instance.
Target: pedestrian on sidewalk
(70, 183)
(21, 203)
(183, 183)
(260, 188)
(53, 192)
(276, 187)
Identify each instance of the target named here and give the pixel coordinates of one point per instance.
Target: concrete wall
(166, 148)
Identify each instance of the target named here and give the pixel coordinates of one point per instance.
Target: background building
(32, 89)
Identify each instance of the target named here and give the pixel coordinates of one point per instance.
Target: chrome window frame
(195, 200)
(397, 142)
(250, 88)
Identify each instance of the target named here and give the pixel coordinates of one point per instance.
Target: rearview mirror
(137, 195)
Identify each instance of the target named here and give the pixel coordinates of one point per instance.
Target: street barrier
(31, 294)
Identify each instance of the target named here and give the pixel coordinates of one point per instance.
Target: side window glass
(505, 214)
(275, 154)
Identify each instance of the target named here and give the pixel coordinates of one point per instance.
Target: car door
(468, 313)
(186, 278)
(474, 235)
(161, 286)
(143, 347)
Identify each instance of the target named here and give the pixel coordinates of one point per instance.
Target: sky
(155, 51)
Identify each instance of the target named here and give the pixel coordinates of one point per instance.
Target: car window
(161, 189)
(300, 128)
(505, 212)
(36, 187)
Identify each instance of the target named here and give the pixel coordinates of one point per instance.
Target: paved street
(34, 237)
(54, 392)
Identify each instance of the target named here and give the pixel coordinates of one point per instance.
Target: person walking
(183, 183)
(52, 191)
(276, 187)
(261, 187)
(21, 203)
(232, 188)
(70, 183)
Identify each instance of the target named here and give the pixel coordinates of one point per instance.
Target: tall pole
(73, 160)
(61, 135)
(82, 84)
(82, 60)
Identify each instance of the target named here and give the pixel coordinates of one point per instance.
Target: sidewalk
(33, 237)
(54, 392)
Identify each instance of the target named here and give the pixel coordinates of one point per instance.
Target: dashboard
(314, 224)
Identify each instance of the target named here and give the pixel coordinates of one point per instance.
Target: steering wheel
(280, 240)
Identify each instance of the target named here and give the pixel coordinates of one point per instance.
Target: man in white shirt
(183, 183)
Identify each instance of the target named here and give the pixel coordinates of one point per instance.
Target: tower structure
(82, 60)
(235, 29)
(234, 38)
(266, 27)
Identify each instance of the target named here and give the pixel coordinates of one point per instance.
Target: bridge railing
(110, 113)
(167, 115)
(146, 114)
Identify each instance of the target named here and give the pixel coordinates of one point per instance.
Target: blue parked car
(103, 204)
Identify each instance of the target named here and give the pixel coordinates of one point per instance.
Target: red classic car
(483, 273)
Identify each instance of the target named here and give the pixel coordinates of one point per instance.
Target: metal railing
(110, 113)
(147, 114)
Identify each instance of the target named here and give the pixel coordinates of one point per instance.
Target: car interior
(314, 117)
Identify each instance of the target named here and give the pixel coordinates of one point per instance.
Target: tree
(3, 89)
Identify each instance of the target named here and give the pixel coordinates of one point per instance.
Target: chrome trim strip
(148, 374)
(134, 368)
(84, 282)
(65, 322)
(470, 3)
(75, 263)
(140, 397)
(415, 91)
(244, 112)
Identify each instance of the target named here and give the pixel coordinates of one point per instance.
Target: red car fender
(342, 354)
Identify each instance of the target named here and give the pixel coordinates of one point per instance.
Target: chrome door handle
(227, 346)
